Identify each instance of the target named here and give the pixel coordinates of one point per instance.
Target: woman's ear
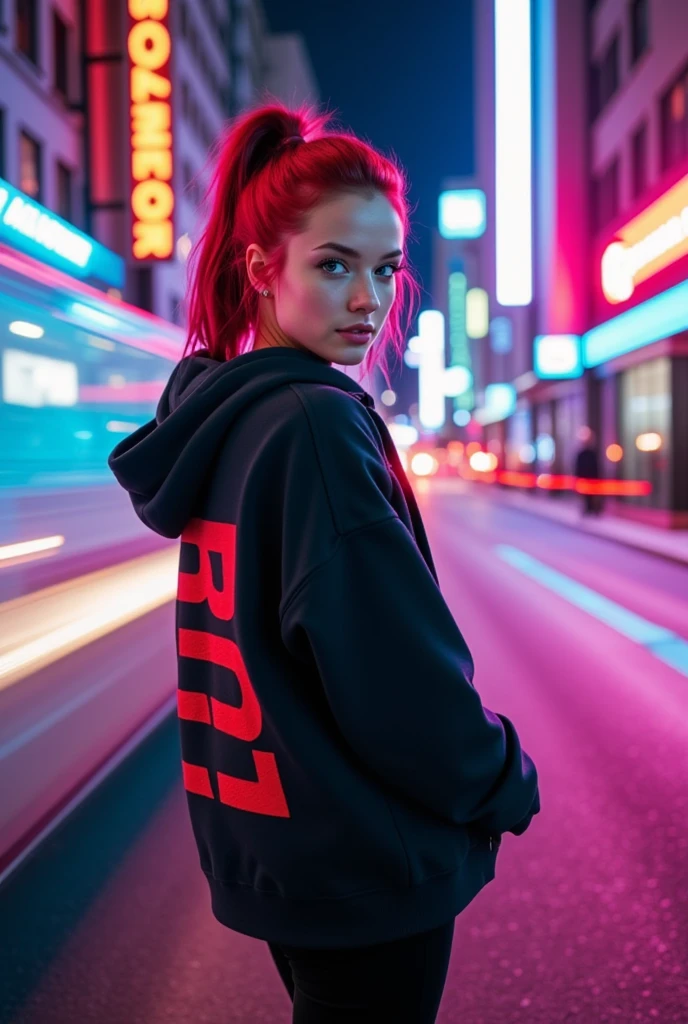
(255, 265)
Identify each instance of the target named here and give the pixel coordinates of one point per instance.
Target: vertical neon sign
(431, 411)
(460, 353)
(513, 171)
(150, 86)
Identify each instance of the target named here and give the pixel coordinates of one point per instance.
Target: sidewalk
(671, 544)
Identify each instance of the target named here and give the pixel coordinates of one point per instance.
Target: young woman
(346, 786)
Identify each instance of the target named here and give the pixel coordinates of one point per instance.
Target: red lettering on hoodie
(198, 586)
(266, 795)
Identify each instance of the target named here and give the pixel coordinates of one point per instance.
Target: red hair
(261, 191)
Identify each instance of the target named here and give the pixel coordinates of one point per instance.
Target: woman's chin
(350, 356)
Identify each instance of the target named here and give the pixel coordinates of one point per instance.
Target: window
(29, 166)
(64, 191)
(605, 198)
(640, 29)
(646, 407)
(605, 78)
(26, 22)
(639, 161)
(674, 122)
(609, 77)
(60, 58)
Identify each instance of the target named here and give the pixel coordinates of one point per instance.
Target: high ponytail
(264, 184)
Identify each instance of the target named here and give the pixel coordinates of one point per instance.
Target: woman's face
(339, 271)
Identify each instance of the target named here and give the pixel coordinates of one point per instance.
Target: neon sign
(27, 226)
(513, 142)
(458, 339)
(462, 213)
(657, 318)
(150, 85)
(431, 409)
(477, 313)
(557, 356)
(651, 241)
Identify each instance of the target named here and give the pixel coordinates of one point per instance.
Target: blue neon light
(657, 318)
(665, 645)
(500, 400)
(29, 227)
(501, 335)
(462, 213)
(557, 356)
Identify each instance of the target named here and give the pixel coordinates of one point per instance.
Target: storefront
(638, 355)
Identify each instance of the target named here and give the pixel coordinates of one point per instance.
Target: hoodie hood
(164, 464)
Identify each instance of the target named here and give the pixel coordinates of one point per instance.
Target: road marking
(665, 645)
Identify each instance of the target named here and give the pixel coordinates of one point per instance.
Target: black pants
(400, 981)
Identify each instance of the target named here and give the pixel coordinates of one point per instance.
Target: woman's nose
(365, 298)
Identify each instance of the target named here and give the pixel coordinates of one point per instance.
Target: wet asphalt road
(587, 919)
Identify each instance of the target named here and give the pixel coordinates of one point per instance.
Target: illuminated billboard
(149, 46)
(650, 242)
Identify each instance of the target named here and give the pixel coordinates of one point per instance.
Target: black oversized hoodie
(345, 783)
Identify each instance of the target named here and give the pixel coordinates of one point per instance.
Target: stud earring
(265, 292)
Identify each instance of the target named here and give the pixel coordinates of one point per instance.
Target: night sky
(400, 75)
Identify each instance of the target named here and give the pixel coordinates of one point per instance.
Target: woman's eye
(328, 263)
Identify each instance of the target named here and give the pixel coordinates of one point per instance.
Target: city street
(582, 643)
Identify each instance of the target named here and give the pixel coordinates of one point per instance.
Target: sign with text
(149, 45)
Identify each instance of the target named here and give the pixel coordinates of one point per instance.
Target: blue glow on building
(28, 227)
(657, 318)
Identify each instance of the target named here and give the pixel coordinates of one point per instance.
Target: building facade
(108, 116)
(40, 124)
(583, 157)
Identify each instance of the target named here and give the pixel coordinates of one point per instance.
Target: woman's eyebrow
(346, 251)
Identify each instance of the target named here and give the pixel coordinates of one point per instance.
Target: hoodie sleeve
(398, 677)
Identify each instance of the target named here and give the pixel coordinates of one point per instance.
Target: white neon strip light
(431, 406)
(659, 317)
(513, 202)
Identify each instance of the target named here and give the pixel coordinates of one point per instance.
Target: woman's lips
(356, 337)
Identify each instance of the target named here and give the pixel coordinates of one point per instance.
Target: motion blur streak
(664, 644)
(42, 627)
(27, 549)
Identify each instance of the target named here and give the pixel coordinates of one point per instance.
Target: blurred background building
(73, 134)
(582, 155)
